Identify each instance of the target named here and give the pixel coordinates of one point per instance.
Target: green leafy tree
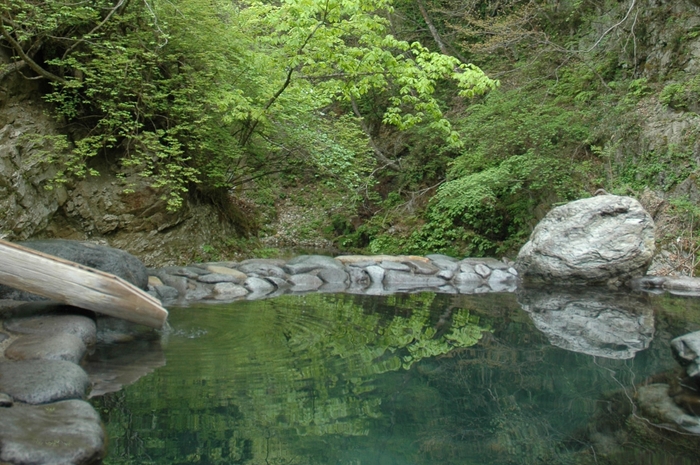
(191, 92)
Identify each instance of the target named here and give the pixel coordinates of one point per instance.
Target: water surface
(393, 380)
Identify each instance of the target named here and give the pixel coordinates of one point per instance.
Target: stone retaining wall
(375, 275)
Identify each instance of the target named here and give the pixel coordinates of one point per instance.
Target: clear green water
(393, 380)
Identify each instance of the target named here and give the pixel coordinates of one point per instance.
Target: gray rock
(228, 291)
(490, 262)
(42, 381)
(467, 277)
(199, 291)
(376, 274)
(482, 270)
(278, 262)
(603, 324)
(214, 278)
(333, 275)
(447, 275)
(444, 263)
(179, 283)
(5, 400)
(648, 282)
(103, 258)
(279, 282)
(333, 288)
(400, 280)
(259, 285)
(262, 269)
(392, 265)
(422, 267)
(305, 282)
(466, 268)
(3, 336)
(606, 239)
(656, 405)
(189, 272)
(502, 281)
(65, 433)
(48, 325)
(682, 285)
(359, 278)
(39, 347)
(434, 257)
(306, 263)
(218, 269)
(686, 349)
(167, 293)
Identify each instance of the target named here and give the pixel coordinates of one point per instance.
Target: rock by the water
(49, 325)
(658, 407)
(228, 291)
(306, 263)
(305, 282)
(606, 239)
(103, 258)
(5, 400)
(63, 433)
(602, 324)
(42, 381)
(62, 346)
(686, 349)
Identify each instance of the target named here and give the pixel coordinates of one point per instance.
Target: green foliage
(220, 94)
(664, 169)
(683, 95)
(512, 165)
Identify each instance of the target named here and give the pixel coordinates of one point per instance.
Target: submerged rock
(686, 349)
(660, 409)
(600, 240)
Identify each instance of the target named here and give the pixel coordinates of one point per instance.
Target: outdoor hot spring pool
(387, 380)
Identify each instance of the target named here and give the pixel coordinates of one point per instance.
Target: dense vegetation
(377, 106)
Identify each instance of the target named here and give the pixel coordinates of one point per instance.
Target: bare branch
(31, 63)
(380, 155)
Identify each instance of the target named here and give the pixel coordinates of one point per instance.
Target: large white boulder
(606, 239)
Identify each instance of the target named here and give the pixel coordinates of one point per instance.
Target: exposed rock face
(602, 324)
(600, 240)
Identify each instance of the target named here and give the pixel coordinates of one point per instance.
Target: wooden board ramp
(81, 286)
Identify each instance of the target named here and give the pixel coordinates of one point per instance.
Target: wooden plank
(77, 285)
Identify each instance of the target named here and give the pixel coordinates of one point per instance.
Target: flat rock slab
(42, 381)
(50, 325)
(55, 347)
(67, 432)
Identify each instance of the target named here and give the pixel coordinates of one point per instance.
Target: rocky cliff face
(95, 208)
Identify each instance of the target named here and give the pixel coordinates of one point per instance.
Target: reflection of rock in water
(604, 324)
(112, 367)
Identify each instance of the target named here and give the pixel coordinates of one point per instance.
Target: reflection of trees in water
(516, 399)
(319, 382)
(304, 369)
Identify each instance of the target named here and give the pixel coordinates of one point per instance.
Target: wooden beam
(49, 276)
